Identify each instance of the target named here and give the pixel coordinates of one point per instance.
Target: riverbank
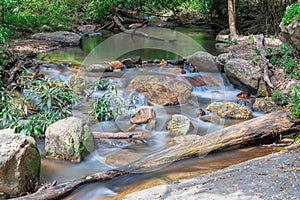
(275, 176)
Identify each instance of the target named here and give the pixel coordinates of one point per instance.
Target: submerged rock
(265, 105)
(179, 125)
(64, 37)
(68, 139)
(143, 116)
(20, 163)
(121, 158)
(160, 89)
(230, 110)
(243, 75)
(203, 62)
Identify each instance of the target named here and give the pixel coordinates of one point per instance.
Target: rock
(137, 60)
(128, 62)
(243, 75)
(68, 139)
(197, 81)
(222, 38)
(46, 28)
(291, 34)
(20, 163)
(64, 37)
(203, 62)
(143, 116)
(230, 110)
(161, 89)
(87, 29)
(222, 47)
(265, 105)
(213, 119)
(243, 95)
(173, 70)
(178, 125)
(201, 112)
(115, 65)
(121, 158)
(95, 67)
(223, 58)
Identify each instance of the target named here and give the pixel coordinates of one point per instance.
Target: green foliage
(293, 13)
(231, 41)
(295, 101)
(251, 38)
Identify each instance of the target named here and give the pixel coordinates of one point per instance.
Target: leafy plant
(295, 101)
(292, 13)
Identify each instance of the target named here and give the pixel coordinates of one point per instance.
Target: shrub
(292, 13)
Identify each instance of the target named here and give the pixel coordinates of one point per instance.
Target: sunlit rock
(230, 110)
(203, 62)
(179, 125)
(265, 105)
(143, 116)
(68, 139)
(20, 163)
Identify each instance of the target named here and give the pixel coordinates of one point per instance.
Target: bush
(292, 13)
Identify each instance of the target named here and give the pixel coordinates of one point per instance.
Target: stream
(217, 88)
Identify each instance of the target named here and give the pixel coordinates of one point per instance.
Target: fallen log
(122, 135)
(270, 126)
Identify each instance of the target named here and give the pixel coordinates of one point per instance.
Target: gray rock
(68, 139)
(179, 125)
(64, 37)
(161, 89)
(222, 38)
(46, 28)
(223, 58)
(20, 163)
(87, 29)
(291, 33)
(203, 62)
(222, 47)
(230, 110)
(265, 105)
(243, 75)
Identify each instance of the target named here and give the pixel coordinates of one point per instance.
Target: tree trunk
(232, 18)
(268, 127)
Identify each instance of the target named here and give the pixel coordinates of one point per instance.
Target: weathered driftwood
(122, 135)
(269, 126)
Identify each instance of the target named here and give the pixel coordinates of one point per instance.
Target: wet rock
(265, 105)
(230, 110)
(291, 33)
(137, 60)
(201, 112)
(95, 67)
(178, 125)
(122, 158)
(213, 119)
(128, 62)
(173, 70)
(160, 89)
(203, 62)
(176, 62)
(115, 65)
(197, 81)
(68, 139)
(157, 61)
(243, 75)
(87, 29)
(20, 163)
(243, 95)
(64, 37)
(143, 116)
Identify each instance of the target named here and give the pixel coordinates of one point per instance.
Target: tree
(232, 18)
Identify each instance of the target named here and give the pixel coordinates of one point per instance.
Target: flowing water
(218, 89)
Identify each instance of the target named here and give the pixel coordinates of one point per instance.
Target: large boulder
(68, 139)
(243, 75)
(179, 125)
(64, 37)
(230, 110)
(160, 89)
(203, 62)
(291, 34)
(20, 163)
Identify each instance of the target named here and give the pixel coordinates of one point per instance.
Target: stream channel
(217, 88)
